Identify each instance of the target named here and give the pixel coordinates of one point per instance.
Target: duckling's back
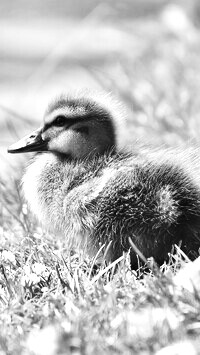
(154, 204)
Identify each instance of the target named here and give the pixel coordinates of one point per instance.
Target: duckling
(82, 186)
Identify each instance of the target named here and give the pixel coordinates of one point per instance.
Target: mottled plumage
(83, 187)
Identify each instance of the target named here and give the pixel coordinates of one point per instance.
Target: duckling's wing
(155, 204)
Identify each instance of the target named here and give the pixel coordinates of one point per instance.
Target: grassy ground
(50, 300)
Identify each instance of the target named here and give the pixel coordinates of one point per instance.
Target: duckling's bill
(32, 142)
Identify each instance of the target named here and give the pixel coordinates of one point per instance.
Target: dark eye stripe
(68, 122)
(83, 129)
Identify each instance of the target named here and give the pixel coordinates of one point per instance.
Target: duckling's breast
(62, 195)
(40, 182)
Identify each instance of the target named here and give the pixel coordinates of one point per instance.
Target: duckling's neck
(69, 158)
(63, 157)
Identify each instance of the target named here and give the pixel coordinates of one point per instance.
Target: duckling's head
(74, 127)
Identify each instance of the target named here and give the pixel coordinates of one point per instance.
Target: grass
(51, 300)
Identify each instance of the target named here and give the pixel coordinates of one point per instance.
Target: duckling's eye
(59, 121)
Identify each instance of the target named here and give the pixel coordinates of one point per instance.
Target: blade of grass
(110, 266)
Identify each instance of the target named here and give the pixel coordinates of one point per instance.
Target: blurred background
(146, 52)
